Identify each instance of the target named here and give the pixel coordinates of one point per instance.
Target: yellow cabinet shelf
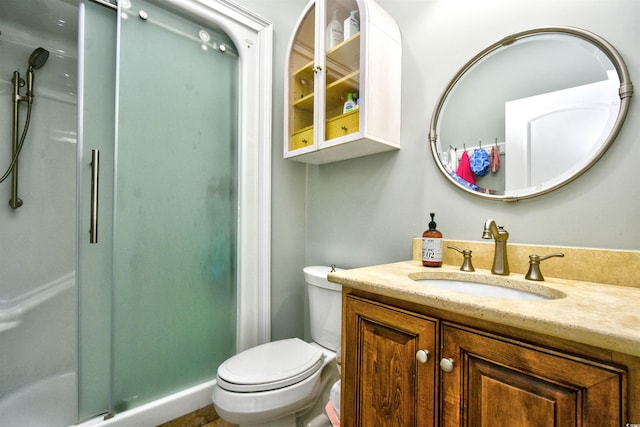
(305, 103)
(346, 54)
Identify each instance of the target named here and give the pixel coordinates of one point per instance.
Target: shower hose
(20, 144)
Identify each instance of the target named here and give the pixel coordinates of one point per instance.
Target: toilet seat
(270, 366)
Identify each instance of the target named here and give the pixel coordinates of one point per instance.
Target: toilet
(286, 382)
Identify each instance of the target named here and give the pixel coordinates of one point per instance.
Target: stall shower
(150, 122)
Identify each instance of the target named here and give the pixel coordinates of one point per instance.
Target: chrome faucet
(500, 235)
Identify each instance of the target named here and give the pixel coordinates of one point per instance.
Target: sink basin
(483, 289)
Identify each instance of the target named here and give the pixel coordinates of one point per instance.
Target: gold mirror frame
(625, 92)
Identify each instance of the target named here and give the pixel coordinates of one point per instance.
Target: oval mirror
(530, 113)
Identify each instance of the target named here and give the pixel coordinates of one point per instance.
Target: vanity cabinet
(319, 76)
(472, 377)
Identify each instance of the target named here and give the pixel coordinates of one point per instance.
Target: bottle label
(432, 249)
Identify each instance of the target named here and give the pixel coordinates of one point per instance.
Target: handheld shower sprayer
(36, 60)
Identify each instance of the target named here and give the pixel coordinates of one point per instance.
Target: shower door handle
(95, 171)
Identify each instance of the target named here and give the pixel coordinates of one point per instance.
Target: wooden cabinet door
(385, 384)
(500, 383)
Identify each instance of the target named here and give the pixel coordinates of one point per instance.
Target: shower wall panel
(38, 240)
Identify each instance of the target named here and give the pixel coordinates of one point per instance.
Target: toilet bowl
(277, 383)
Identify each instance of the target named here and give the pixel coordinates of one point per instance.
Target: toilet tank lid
(270, 366)
(317, 275)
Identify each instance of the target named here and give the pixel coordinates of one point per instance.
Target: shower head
(38, 58)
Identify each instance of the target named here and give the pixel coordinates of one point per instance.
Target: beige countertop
(601, 315)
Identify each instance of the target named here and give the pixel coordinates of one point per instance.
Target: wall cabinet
(472, 377)
(320, 74)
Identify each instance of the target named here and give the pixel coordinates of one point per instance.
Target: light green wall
(365, 211)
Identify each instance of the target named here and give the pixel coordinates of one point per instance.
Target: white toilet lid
(269, 366)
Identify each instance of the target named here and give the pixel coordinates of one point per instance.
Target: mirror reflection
(530, 113)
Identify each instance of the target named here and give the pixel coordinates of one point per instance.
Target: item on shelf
(351, 25)
(334, 33)
(349, 104)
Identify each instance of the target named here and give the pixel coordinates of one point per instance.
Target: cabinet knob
(344, 128)
(304, 140)
(422, 356)
(446, 364)
(317, 68)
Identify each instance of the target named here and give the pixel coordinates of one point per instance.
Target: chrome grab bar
(93, 221)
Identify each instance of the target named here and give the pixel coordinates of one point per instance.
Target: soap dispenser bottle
(334, 34)
(432, 245)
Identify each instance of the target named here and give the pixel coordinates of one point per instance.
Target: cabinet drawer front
(302, 139)
(343, 125)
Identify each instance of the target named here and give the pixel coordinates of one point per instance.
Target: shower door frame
(253, 38)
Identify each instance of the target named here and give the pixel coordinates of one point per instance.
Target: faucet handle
(466, 262)
(534, 272)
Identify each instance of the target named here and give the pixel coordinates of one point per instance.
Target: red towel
(464, 169)
(494, 159)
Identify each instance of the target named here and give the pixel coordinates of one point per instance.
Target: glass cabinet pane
(342, 43)
(301, 84)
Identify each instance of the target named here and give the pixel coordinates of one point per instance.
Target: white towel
(453, 158)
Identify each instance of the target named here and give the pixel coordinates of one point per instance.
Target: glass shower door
(175, 205)
(96, 131)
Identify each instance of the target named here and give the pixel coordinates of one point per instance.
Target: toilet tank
(325, 307)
